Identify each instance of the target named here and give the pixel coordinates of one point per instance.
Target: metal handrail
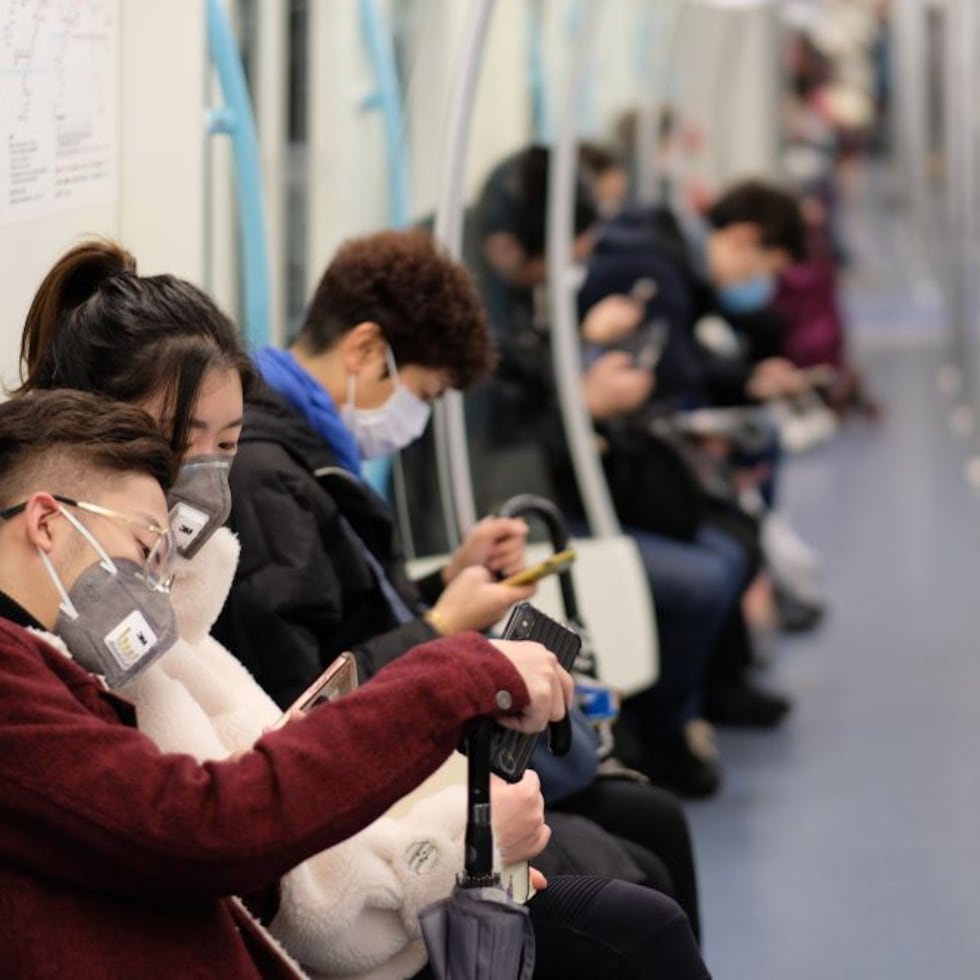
(388, 99)
(236, 119)
(537, 74)
(452, 453)
(566, 352)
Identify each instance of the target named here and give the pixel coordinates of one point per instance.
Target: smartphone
(510, 751)
(338, 679)
(557, 562)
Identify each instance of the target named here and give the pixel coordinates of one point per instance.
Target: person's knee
(614, 929)
(706, 590)
(656, 939)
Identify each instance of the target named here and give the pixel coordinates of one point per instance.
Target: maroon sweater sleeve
(95, 803)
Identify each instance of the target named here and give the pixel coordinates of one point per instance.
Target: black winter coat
(304, 591)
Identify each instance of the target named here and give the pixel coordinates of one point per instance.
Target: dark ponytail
(96, 325)
(73, 279)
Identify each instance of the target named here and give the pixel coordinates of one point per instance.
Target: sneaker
(745, 706)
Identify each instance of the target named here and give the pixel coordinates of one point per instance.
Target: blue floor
(847, 844)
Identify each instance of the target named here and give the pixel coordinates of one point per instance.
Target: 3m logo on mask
(187, 523)
(131, 639)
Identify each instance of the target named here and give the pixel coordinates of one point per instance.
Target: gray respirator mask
(199, 502)
(112, 621)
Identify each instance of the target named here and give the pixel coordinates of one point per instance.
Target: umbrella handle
(479, 832)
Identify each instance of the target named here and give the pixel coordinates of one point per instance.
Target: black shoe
(689, 775)
(744, 706)
(667, 761)
(797, 616)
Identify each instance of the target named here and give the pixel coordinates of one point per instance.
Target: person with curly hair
(392, 325)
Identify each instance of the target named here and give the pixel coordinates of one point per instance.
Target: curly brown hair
(426, 305)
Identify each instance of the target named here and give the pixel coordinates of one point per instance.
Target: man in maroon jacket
(117, 860)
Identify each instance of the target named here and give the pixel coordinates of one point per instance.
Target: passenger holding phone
(392, 325)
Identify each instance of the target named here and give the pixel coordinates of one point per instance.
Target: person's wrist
(437, 621)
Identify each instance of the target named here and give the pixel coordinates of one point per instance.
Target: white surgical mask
(390, 427)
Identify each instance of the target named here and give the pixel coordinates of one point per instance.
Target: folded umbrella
(479, 932)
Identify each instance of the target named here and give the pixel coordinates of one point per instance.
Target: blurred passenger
(117, 859)
(708, 284)
(808, 297)
(697, 580)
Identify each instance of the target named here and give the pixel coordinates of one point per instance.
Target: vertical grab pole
(566, 352)
(452, 453)
(537, 72)
(954, 82)
(644, 161)
(237, 121)
(388, 98)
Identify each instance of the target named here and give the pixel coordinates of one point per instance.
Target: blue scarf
(284, 374)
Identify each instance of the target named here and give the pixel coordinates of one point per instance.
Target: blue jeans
(696, 585)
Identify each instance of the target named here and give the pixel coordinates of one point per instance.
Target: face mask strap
(351, 390)
(106, 562)
(392, 365)
(392, 373)
(66, 605)
(215, 461)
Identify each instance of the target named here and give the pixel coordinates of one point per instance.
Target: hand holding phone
(510, 750)
(338, 679)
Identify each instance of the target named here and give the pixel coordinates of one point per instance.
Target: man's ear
(778, 260)
(746, 234)
(362, 345)
(40, 513)
(503, 252)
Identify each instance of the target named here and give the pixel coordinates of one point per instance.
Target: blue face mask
(749, 296)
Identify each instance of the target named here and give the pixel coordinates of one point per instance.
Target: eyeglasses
(158, 563)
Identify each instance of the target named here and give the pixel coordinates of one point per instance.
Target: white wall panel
(156, 209)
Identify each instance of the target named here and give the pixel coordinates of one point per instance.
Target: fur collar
(202, 584)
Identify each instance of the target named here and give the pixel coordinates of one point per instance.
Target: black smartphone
(510, 751)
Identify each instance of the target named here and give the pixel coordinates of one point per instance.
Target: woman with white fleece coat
(351, 911)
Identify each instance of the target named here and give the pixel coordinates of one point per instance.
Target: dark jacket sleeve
(302, 594)
(430, 587)
(93, 803)
(379, 651)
